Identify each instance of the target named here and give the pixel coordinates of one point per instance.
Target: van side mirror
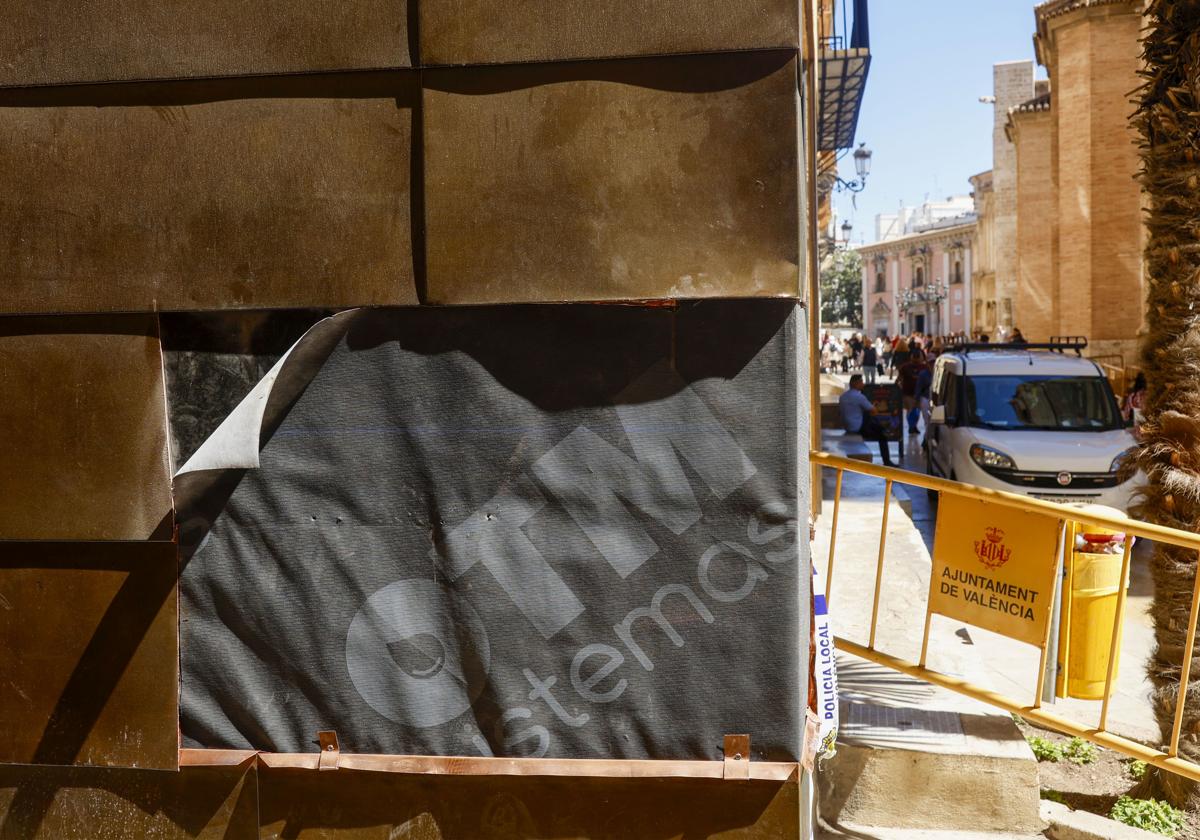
(937, 414)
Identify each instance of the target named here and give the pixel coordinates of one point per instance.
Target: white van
(1033, 419)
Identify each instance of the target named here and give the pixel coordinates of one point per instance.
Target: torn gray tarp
(214, 359)
(563, 531)
(221, 372)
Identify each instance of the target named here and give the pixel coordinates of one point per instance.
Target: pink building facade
(919, 283)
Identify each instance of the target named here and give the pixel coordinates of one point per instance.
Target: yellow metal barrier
(1168, 759)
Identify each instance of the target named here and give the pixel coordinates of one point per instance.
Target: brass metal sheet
(85, 429)
(84, 803)
(89, 650)
(490, 31)
(219, 194)
(353, 805)
(616, 180)
(46, 43)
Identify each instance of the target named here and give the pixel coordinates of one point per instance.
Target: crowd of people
(884, 356)
(909, 359)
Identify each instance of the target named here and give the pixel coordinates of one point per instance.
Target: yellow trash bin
(1090, 593)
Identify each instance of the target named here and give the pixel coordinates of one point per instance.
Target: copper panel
(113, 40)
(85, 439)
(485, 31)
(89, 650)
(237, 193)
(352, 805)
(615, 180)
(78, 803)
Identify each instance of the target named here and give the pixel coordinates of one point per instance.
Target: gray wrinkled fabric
(566, 531)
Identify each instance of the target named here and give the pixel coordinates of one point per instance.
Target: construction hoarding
(512, 551)
(116, 40)
(613, 180)
(85, 430)
(509, 31)
(209, 194)
(89, 649)
(315, 424)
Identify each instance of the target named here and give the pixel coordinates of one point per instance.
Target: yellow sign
(994, 567)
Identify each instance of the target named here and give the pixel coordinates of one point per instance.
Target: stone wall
(1091, 52)
(1037, 306)
(983, 262)
(1012, 85)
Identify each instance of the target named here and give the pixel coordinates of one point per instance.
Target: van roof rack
(1057, 343)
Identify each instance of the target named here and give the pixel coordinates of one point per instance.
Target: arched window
(957, 271)
(880, 284)
(919, 277)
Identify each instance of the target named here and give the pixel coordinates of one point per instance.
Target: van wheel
(932, 494)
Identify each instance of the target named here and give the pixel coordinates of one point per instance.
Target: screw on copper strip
(737, 757)
(330, 751)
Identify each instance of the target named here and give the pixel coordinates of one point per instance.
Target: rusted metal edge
(765, 771)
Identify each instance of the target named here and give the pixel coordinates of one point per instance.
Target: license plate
(1066, 500)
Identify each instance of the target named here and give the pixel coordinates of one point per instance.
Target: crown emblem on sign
(991, 550)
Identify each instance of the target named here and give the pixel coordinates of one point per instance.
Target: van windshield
(1079, 403)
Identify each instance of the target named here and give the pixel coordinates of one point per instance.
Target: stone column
(1090, 48)
(1012, 85)
(1038, 310)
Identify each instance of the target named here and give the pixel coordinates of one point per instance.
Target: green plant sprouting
(1148, 814)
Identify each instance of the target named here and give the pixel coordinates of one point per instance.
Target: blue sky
(921, 115)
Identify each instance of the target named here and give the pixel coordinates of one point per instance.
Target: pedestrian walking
(869, 363)
(1134, 403)
(900, 353)
(907, 376)
(924, 389)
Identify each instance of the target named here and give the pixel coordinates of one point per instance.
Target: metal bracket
(737, 757)
(330, 751)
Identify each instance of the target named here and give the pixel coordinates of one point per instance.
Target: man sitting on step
(858, 417)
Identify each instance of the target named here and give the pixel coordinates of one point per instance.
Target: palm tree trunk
(1168, 120)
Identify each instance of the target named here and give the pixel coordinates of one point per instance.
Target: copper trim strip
(214, 758)
(767, 771)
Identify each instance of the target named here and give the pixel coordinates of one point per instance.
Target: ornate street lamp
(930, 296)
(846, 229)
(862, 168)
(862, 161)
